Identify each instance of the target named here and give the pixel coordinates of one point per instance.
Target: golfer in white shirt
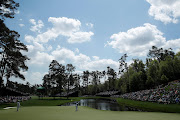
(76, 106)
(18, 105)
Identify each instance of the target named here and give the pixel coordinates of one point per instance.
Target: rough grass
(148, 106)
(83, 113)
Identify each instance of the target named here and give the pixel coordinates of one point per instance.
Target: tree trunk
(68, 90)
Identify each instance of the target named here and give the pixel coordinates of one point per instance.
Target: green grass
(147, 106)
(170, 108)
(83, 113)
(47, 109)
(46, 101)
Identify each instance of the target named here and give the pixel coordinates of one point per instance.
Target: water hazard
(103, 104)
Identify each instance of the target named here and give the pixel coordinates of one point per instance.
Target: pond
(103, 104)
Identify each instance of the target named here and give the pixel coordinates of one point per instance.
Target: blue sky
(93, 34)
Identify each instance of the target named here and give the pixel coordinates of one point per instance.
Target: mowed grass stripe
(83, 113)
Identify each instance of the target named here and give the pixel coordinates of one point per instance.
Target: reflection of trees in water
(103, 104)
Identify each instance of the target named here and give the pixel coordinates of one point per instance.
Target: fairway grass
(83, 113)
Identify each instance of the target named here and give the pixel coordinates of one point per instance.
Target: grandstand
(6, 91)
(108, 93)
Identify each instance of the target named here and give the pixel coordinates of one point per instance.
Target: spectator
(167, 94)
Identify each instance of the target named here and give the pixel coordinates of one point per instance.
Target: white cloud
(35, 47)
(62, 26)
(34, 77)
(137, 41)
(31, 77)
(32, 21)
(49, 48)
(38, 57)
(38, 54)
(36, 25)
(58, 47)
(29, 38)
(46, 36)
(41, 58)
(166, 11)
(76, 50)
(90, 25)
(21, 25)
(63, 54)
(175, 44)
(95, 57)
(82, 61)
(101, 64)
(79, 37)
(37, 77)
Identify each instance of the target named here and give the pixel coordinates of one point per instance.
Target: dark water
(103, 104)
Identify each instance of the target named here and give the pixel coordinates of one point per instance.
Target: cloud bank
(62, 26)
(137, 41)
(166, 11)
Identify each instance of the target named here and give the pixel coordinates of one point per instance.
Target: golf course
(47, 109)
(89, 59)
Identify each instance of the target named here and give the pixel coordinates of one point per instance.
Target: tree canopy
(12, 61)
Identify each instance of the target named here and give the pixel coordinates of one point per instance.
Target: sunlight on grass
(83, 113)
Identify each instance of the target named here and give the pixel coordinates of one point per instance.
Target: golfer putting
(77, 106)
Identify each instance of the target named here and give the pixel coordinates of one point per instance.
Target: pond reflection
(103, 104)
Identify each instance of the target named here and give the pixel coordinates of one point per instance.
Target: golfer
(76, 106)
(18, 105)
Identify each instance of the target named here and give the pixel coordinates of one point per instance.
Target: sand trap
(8, 108)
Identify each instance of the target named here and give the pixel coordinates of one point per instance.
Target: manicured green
(83, 113)
(170, 108)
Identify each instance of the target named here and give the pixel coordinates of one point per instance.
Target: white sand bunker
(8, 108)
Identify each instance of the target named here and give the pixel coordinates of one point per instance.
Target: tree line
(12, 61)
(161, 66)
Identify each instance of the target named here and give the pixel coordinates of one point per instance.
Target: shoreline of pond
(143, 105)
(103, 104)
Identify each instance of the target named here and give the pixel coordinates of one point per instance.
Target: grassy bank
(148, 106)
(83, 113)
